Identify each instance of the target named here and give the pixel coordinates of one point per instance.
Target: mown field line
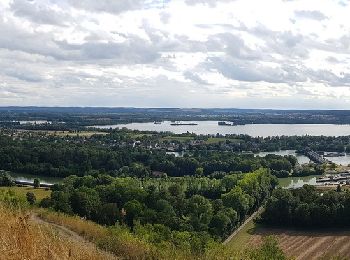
(243, 225)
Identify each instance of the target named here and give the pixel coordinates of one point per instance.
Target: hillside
(22, 237)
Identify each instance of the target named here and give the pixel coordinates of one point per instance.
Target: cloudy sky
(175, 53)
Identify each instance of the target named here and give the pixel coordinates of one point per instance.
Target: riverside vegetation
(128, 153)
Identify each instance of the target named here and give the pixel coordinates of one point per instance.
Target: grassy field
(241, 241)
(177, 138)
(22, 191)
(211, 140)
(214, 140)
(138, 135)
(81, 134)
(65, 133)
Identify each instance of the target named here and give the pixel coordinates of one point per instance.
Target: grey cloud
(332, 59)
(234, 46)
(38, 13)
(245, 71)
(211, 3)
(164, 17)
(285, 43)
(116, 6)
(314, 15)
(24, 75)
(329, 78)
(248, 71)
(194, 77)
(343, 3)
(18, 39)
(134, 50)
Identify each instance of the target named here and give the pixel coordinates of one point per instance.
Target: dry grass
(21, 238)
(122, 243)
(117, 240)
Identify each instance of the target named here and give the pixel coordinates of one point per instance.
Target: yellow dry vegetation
(23, 238)
(117, 240)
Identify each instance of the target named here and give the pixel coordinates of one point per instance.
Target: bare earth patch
(301, 244)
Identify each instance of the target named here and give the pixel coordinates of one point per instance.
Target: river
(297, 182)
(30, 178)
(341, 160)
(301, 158)
(263, 130)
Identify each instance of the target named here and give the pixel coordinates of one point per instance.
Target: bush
(268, 250)
(31, 198)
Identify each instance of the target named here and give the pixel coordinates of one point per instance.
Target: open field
(297, 244)
(211, 140)
(22, 191)
(177, 138)
(241, 241)
(308, 244)
(65, 133)
(214, 140)
(132, 135)
(81, 133)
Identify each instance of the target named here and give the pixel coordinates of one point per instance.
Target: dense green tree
(199, 205)
(36, 183)
(134, 210)
(6, 180)
(85, 202)
(199, 212)
(108, 214)
(237, 200)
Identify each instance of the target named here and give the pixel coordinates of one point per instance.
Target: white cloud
(229, 53)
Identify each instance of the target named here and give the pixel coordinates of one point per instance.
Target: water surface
(30, 178)
(302, 159)
(297, 182)
(263, 130)
(341, 160)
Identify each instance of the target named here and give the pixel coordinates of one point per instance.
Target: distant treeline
(239, 143)
(84, 116)
(60, 157)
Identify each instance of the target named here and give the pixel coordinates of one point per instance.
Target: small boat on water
(179, 123)
(157, 122)
(224, 123)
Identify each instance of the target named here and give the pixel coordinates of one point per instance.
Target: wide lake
(263, 130)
